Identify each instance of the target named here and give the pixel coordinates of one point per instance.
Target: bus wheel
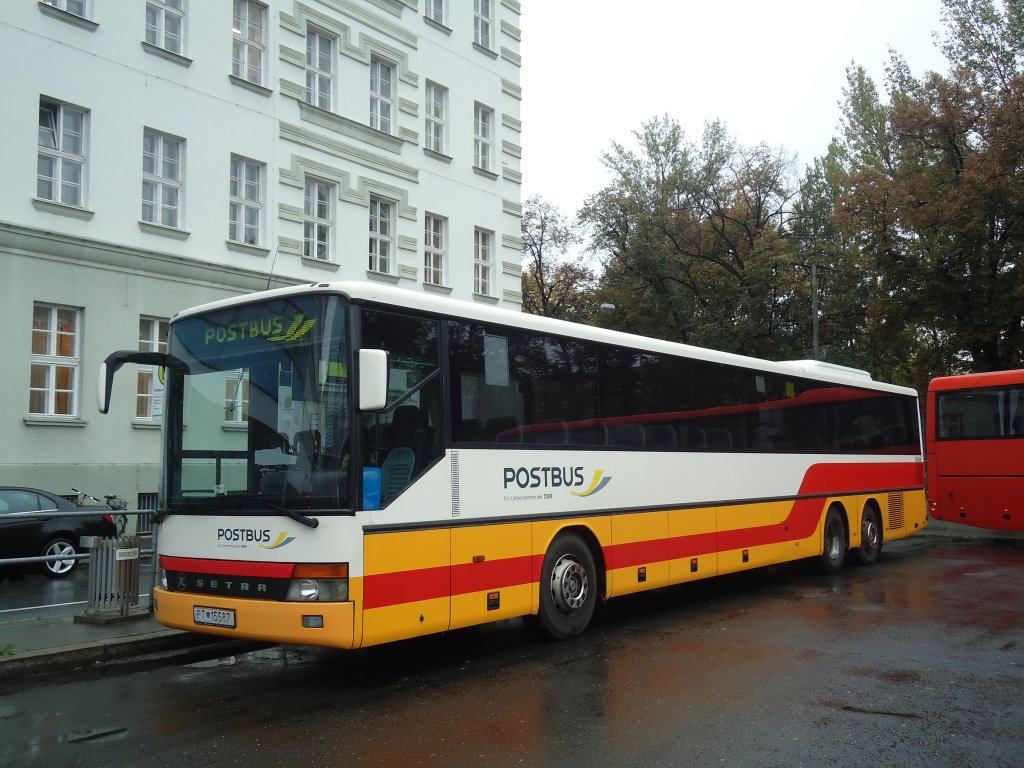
(834, 550)
(568, 590)
(870, 537)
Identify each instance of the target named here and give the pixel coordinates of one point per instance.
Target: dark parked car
(22, 536)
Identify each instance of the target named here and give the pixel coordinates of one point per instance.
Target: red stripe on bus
(227, 567)
(384, 589)
(387, 589)
(492, 574)
(381, 590)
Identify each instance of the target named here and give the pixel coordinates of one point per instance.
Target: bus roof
(976, 380)
(401, 298)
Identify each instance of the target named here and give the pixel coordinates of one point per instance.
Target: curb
(138, 649)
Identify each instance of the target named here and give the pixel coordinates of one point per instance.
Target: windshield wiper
(214, 503)
(309, 522)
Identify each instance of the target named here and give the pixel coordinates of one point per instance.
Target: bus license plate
(213, 617)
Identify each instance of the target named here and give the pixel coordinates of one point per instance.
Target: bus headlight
(318, 584)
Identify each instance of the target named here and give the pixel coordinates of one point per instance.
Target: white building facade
(159, 154)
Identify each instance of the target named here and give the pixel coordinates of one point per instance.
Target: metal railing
(139, 514)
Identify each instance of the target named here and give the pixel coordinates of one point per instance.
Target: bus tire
(870, 536)
(568, 588)
(833, 550)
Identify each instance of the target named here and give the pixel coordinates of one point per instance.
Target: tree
(932, 192)
(699, 236)
(556, 283)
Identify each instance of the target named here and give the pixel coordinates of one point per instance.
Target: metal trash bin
(113, 573)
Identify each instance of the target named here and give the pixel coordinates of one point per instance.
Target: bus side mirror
(373, 379)
(114, 361)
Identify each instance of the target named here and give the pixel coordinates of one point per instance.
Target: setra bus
(975, 448)
(347, 464)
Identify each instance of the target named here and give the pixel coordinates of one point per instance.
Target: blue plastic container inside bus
(371, 487)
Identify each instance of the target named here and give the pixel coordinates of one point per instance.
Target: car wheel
(56, 569)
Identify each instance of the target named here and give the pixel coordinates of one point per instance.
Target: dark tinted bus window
(981, 413)
(512, 386)
(645, 398)
(724, 418)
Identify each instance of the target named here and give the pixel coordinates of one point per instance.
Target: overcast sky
(594, 71)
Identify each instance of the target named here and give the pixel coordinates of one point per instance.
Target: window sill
(485, 299)
(485, 51)
(323, 264)
(437, 155)
(382, 277)
(241, 82)
(163, 53)
(251, 250)
(235, 426)
(437, 25)
(443, 290)
(486, 174)
(145, 424)
(163, 231)
(62, 209)
(38, 420)
(70, 18)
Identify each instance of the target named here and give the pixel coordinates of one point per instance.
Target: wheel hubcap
(60, 566)
(870, 533)
(569, 585)
(835, 544)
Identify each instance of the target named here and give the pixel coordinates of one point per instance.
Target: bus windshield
(258, 408)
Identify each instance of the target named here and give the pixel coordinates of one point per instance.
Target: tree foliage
(699, 235)
(913, 222)
(556, 283)
(931, 187)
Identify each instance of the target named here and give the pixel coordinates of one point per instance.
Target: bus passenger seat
(470, 431)
(396, 472)
(660, 436)
(500, 430)
(631, 435)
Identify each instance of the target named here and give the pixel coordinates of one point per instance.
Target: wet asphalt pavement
(916, 661)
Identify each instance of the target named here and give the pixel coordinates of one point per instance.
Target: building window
(482, 247)
(246, 201)
(236, 397)
(482, 23)
(319, 69)
(483, 136)
(165, 24)
(161, 179)
(381, 213)
(381, 94)
(434, 10)
(435, 246)
(317, 221)
(76, 7)
(53, 388)
(437, 114)
(149, 399)
(60, 172)
(249, 44)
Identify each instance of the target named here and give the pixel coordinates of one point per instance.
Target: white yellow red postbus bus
(975, 449)
(347, 464)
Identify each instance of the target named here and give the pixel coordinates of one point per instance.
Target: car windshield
(258, 407)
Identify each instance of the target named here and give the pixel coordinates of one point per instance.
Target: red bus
(975, 435)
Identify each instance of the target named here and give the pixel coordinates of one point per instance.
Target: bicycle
(114, 502)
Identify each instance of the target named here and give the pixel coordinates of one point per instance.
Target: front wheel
(834, 546)
(568, 587)
(870, 537)
(56, 569)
